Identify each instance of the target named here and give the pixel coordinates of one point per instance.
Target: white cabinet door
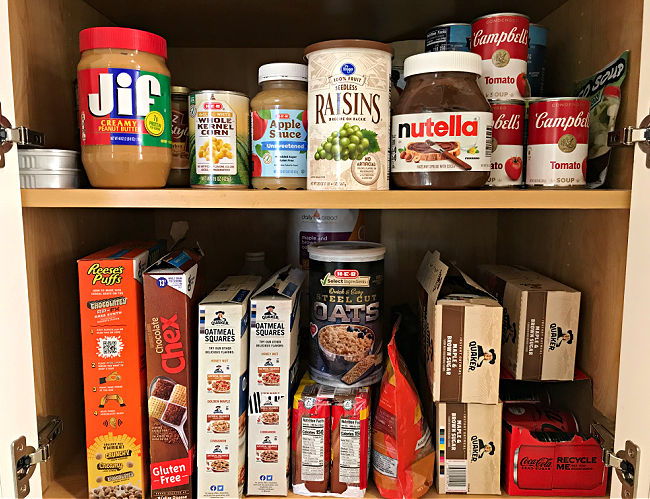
(18, 414)
(633, 406)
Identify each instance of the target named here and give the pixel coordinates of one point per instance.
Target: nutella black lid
(444, 61)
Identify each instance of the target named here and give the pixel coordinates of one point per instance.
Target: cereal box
(273, 369)
(170, 296)
(468, 456)
(222, 387)
(540, 322)
(461, 334)
(112, 340)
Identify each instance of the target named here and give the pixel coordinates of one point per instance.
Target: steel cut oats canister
(346, 295)
(349, 115)
(558, 140)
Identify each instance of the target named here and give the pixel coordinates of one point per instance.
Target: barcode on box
(456, 475)
(488, 141)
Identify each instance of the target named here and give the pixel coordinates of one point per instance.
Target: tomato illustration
(513, 167)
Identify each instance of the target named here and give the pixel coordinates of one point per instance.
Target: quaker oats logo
(220, 318)
(558, 336)
(479, 356)
(348, 404)
(480, 448)
(270, 313)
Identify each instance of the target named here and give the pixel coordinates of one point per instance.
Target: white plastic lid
(282, 71)
(434, 62)
(346, 251)
(254, 256)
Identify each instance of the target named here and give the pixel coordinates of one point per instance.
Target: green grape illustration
(348, 143)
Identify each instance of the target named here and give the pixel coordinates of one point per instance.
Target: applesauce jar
(279, 127)
(124, 107)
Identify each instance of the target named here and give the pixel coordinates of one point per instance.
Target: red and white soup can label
(558, 138)
(507, 144)
(502, 42)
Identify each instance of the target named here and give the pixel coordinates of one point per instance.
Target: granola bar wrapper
(403, 458)
(603, 89)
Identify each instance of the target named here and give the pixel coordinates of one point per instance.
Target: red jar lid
(122, 38)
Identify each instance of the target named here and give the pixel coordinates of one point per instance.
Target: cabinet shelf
(390, 200)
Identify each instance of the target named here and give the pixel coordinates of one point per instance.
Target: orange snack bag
(402, 455)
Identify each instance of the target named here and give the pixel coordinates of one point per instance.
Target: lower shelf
(72, 484)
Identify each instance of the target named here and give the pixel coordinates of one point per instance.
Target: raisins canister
(346, 295)
(349, 115)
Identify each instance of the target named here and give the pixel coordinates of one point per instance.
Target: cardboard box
(112, 342)
(540, 317)
(273, 370)
(468, 457)
(572, 467)
(222, 387)
(170, 296)
(461, 334)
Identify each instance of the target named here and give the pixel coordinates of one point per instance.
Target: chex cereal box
(222, 388)
(170, 297)
(112, 341)
(272, 375)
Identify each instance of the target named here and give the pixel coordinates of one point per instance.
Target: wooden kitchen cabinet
(595, 241)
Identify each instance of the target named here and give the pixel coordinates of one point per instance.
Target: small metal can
(502, 42)
(219, 139)
(536, 59)
(558, 137)
(448, 37)
(506, 166)
(536, 417)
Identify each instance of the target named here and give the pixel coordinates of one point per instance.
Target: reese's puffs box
(112, 340)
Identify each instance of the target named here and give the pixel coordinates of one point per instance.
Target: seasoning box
(170, 296)
(273, 370)
(468, 457)
(461, 334)
(540, 318)
(112, 341)
(222, 387)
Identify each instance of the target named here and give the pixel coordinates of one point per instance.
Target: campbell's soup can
(502, 42)
(536, 417)
(558, 139)
(448, 37)
(506, 166)
(567, 465)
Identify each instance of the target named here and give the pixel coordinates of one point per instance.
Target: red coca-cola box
(535, 466)
(170, 298)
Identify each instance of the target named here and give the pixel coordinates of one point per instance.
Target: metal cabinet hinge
(623, 462)
(19, 135)
(630, 135)
(26, 457)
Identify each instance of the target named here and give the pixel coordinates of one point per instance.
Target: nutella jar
(124, 107)
(442, 126)
(179, 175)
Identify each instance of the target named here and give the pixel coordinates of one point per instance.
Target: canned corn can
(219, 139)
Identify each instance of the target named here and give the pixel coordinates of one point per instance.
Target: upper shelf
(389, 200)
(249, 23)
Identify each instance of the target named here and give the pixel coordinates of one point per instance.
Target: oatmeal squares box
(272, 375)
(112, 342)
(461, 334)
(222, 387)
(468, 455)
(170, 297)
(540, 330)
